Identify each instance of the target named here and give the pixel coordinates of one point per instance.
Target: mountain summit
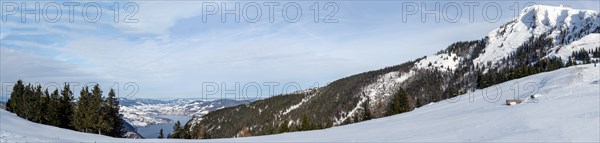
(562, 24)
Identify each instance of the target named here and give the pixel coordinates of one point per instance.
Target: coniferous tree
(113, 117)
(26, 102)
(16, 98)
(54, 109)
(160, 134)
(596, 53)
(37, 104)
(400, 103)
(92, 112)
(570, 62)
(43, 103)
(66, 108)
(184, 133)
(581, 55)
(284, 127)
(480, 80)
(366, 106)
(176, 130)
(99, 112)
(82, 120)
(306, 124)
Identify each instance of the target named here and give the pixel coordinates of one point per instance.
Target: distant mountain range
(143, 112)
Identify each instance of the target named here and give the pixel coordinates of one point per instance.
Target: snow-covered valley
(566, 109)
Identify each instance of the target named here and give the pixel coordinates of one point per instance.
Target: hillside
(563, 25)
(565, 110)
(542, 38)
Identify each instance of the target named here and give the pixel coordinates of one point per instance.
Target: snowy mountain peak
(542, 17)
(562, 24)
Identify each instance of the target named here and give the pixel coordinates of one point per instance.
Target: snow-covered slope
(566, 109)
(563, 24)
(570, 29)
(586, 43)
(443, 62)
(14, 128)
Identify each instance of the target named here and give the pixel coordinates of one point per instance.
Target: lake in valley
(151, 131)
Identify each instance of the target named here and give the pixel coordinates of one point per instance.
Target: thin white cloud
(156, 17)
(20, 65)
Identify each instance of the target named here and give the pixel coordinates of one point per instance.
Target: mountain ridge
(563, 24)
(512, 51)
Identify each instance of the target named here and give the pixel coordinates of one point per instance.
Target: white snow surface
(346, 115)
(535, 21)
(386, 85)
(566, 110)
(442, 62)
(294, 107)
(378, 91)
(140, 116)
(588, 42)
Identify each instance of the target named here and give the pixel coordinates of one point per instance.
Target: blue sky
(168, 50)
